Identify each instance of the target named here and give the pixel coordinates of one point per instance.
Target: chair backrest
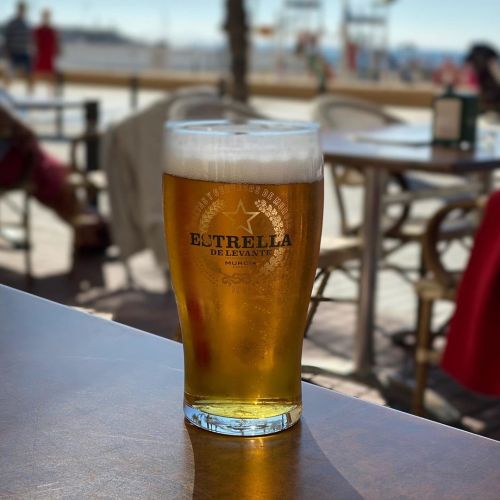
(194, 90)
(343, 113)
(203, 107)
(453, 225)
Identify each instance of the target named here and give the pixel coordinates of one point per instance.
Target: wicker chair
(337, 255)
(453, 223)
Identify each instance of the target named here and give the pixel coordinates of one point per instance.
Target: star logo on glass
(241, 217)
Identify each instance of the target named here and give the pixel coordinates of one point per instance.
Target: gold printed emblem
(236, 258)
(241, 217)
(275, 219)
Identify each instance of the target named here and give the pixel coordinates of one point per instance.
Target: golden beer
(242, 258)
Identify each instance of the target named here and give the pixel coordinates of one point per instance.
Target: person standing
(47, 48)
(18, 47)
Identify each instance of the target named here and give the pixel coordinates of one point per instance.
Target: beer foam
(256, 151)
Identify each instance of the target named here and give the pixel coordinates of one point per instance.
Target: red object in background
(352, 56)
(49, 175)
(448, 73)
(472, 354)
(468, 78)
(46, 49)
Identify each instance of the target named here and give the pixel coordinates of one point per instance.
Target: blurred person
(47, 48)
(447, 73)
(352, 52)
(18, 47)
(317, 65)
(21, 156)
(468, 77)
(484, 61)
(411, 70)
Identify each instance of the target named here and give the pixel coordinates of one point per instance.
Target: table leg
(371, 229)
(59, 121)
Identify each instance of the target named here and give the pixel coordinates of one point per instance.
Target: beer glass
(243, 209)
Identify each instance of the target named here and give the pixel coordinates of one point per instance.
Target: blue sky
(444, 24)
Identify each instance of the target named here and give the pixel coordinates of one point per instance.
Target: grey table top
(93, 409)
(399, 148)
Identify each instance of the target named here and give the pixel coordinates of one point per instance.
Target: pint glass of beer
(243, 209)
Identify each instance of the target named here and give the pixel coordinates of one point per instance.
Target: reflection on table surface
(264, 467)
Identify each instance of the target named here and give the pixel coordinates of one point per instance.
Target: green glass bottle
(455, 117)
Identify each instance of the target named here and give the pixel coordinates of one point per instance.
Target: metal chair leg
(422, 355)
(129, 276)
(317, 299)
(27, 239)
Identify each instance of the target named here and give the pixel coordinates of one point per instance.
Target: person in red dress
(47, 48)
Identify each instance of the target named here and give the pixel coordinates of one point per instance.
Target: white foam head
(256, 151)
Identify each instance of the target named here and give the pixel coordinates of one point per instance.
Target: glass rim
(268, 127)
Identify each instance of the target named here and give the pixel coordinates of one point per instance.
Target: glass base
(234, 426)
